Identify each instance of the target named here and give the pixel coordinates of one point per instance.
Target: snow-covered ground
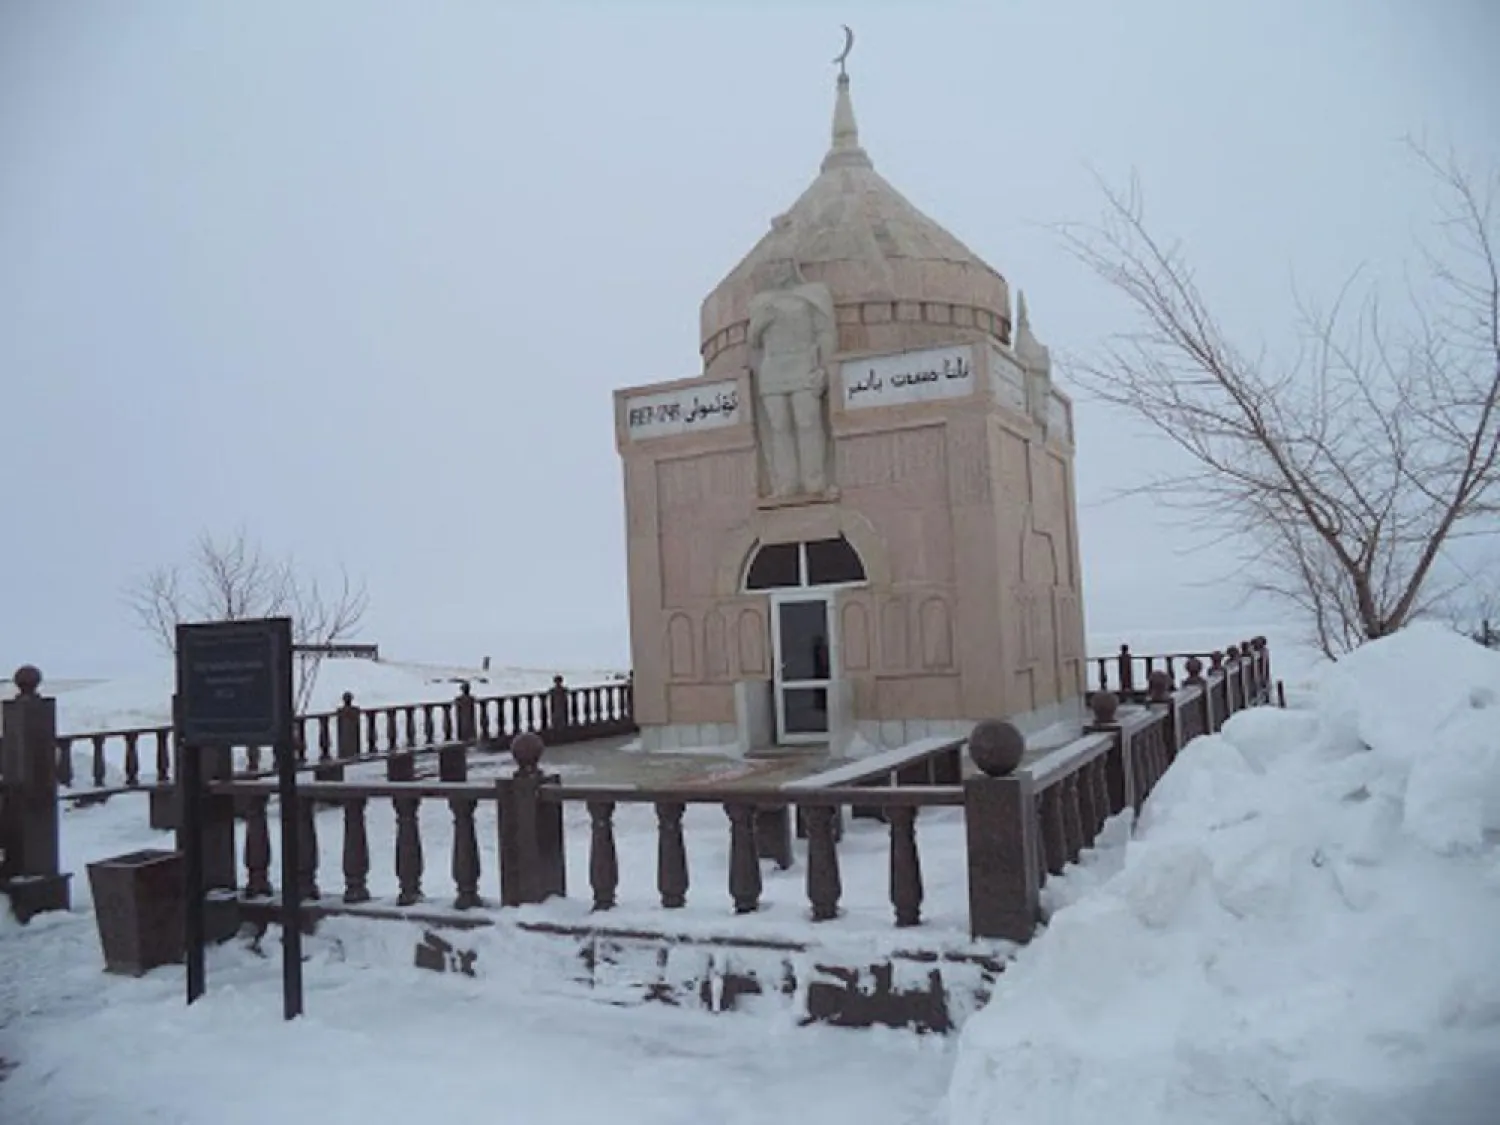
(1304, 928)
(145, 700)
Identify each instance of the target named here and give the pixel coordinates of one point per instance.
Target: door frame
(826, 595)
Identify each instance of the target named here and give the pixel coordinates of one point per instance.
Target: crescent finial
(848, 46)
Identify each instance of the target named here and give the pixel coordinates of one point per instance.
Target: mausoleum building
(856, 526)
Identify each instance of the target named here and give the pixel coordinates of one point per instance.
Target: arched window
(820, 562)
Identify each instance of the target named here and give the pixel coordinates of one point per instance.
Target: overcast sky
(360, 277)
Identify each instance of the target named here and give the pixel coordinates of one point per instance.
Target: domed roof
(898, 278)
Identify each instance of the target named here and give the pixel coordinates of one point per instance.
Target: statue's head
(779, 272)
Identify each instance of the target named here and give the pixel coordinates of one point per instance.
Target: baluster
(604, 867)
(824, 887)
(447, 713)
(1102, 666)
(484, 719)
(906, 865)
(252, 759)
(307, 847)
(132, 759)
(163, 759)
(671, 856)
(393, 741)
(744, 863)
(1140, 750)
(372, 732)
(98, 741)
(465, 853)
(257, 848)
(325, 739)
(408, 850)
(1172, 668)
(1054, 838)
(1099, 782)
(65, 761)
(1088, 816)
(429, 726)
(356, 852)
(1163, 757)
(1039, 826)
(410, 713)
(1127, 671)
(1072, 820)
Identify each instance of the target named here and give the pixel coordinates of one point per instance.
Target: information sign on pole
(234, 688)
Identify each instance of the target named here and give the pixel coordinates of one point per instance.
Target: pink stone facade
(963, 514)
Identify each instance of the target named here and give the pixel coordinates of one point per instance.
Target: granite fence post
(30, 877)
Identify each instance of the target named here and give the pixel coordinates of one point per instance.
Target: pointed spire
(1031, 351)
(845, 151)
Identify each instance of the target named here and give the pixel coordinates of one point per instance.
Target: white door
(803, 643)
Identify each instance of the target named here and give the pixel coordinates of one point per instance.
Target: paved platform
(612, 761)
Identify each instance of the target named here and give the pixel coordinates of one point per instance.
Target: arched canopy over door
(801, 579)
(820, 562)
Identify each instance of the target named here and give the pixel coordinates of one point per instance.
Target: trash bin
(138, 908)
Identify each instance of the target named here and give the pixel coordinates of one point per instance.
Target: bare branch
(233, 579)
(1348, 472)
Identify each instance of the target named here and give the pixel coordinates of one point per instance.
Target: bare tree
(1350, 472)
(232, 579)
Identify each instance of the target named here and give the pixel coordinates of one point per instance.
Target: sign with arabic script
(924, 376)
(683, 411)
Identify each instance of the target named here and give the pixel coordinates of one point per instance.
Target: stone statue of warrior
(793, 337)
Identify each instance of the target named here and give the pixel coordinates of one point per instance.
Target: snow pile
(1305, 926)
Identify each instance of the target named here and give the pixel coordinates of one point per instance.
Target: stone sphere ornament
(996, 747)
(1159, 686)
(1105, 705)
(27, 679)
(527, 749)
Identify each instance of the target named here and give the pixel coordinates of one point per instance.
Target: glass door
(803, 645)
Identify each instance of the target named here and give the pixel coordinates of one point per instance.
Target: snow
(517, 1042)
(145, 700)
(1302, 928)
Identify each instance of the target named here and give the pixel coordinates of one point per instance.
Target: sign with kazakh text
(923, 376)
(684, 411)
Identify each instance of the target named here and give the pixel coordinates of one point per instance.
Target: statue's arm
(828, 331)
(754, 331)
(757, 327)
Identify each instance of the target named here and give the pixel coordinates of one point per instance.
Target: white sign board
(924, 376)
(684, 411)
(1007, 381)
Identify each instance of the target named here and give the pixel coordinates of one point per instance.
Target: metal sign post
(234, 688)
